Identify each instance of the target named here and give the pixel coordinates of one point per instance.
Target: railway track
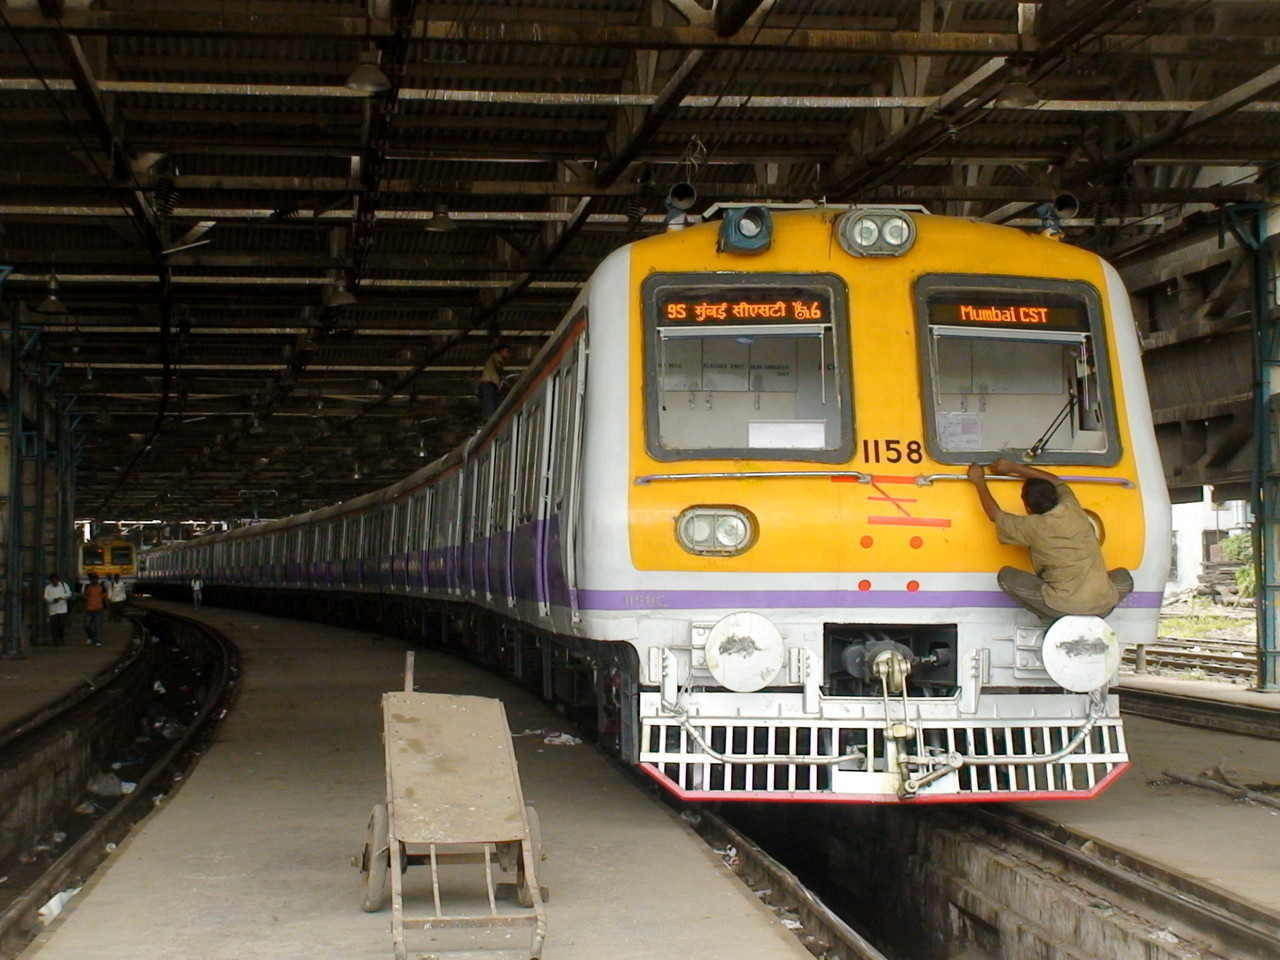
(1193, 908)
(72, 735)
(1229, 658)
(820, 929)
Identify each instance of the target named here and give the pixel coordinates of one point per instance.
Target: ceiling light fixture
(440, 221)
(51, 305)
(368, 78)
(338, 295)
(1017, 92)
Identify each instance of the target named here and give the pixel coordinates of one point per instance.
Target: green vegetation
(1197, 627)
(1239, 548)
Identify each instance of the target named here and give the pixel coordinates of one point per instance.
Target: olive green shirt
(1065, 554)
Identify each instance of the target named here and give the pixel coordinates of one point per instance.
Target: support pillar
(15, 638)
(1266, 476)
(36, 484)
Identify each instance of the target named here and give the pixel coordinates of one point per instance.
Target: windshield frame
(949, 283)
(832, 284)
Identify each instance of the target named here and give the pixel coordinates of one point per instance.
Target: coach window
(1016, 366)
(748, 365)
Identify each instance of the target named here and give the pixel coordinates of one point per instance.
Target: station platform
(250, 858)
(1203, 689)
(1207, 836)
(49, 673)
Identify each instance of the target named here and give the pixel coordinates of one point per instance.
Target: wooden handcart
(453, 797)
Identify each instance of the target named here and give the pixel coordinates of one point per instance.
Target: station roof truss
(210, 192)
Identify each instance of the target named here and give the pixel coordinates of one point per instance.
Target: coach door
(500, 519)
(557, 571)
(528, 582)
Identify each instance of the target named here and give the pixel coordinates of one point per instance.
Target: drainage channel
(994, 883)
(78, 774)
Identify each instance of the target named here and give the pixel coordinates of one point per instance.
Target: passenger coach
(723, 515)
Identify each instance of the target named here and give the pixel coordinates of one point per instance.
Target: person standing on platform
(197, 586)
(95, 607)
(56, 595)
(117, 594)
(489, 387)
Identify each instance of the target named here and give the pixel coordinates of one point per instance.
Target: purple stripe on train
(803, 599)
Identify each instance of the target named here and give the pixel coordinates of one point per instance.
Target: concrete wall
(929, 883)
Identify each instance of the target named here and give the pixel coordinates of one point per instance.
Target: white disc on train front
(1081, 654)
(745, 652)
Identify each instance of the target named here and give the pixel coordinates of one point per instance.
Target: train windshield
(1017, 370)
(121, 556)
(92, 554)
(747, 365)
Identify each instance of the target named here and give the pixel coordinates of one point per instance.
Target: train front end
(806, 573)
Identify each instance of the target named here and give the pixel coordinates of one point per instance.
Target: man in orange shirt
(95, 606)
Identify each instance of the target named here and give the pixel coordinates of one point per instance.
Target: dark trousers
(93, 626)
(1028, 589)
(57, 629)
(488, 394)
(195, 599)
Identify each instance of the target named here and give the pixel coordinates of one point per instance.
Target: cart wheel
(524, 896)
(376, 862)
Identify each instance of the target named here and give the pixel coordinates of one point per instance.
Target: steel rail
(824, 933)
(1244, 929)
(1238, 718)
(18, 918)
(1194, 660)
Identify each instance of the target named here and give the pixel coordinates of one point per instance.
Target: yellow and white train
(723, 516)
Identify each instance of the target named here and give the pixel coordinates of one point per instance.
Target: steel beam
(964, 101)
(535, 32)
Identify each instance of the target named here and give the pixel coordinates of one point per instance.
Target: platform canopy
(284, 232)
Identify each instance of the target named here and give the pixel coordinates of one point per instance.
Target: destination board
(738, 307)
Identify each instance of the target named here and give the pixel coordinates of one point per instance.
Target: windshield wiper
(1059, 418)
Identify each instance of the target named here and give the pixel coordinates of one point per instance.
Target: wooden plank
(451, 769)
(500, 920)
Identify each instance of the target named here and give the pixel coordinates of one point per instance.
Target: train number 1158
(892, 451)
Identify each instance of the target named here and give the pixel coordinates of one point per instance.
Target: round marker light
(749, 226)
(896, 231)
(866, 232)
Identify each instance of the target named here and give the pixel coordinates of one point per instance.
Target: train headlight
(876, 233)
(731, 532)
(1099, 530)
(746, 230)
(866, 232)
(896, 231)
(715, 531)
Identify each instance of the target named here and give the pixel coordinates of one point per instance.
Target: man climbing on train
(1070, 576)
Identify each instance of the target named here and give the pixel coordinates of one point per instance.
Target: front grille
(677, 757)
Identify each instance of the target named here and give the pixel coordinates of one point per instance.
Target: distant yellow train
(724, 517)
(108, 556)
